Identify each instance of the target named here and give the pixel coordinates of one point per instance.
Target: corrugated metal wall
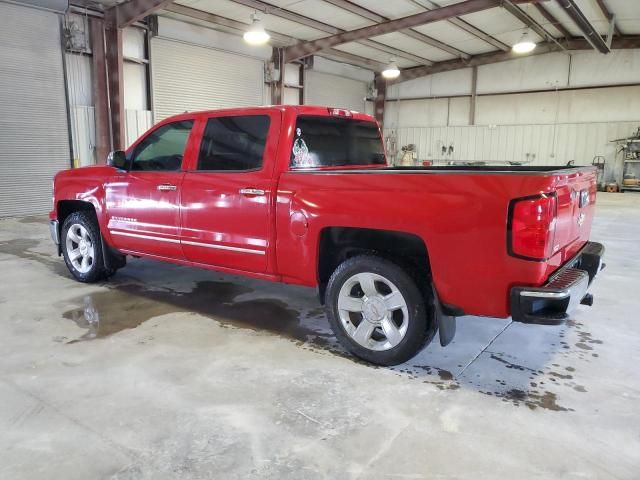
(334, 91)
(544, 144)
(34, 140)
(187, 77)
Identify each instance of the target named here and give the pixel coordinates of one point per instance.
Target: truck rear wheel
(377, 311)
(81, 247)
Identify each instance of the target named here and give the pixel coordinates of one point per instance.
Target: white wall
(566, 120)
(542, 72)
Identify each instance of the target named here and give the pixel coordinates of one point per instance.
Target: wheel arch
(112, 258)
(65, 208)
(337, 244)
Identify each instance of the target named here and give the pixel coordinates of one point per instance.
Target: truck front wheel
(376, 310)
(81, 247)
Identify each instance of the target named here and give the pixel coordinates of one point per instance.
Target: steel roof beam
(462, 8)
(375, 17)
(584, 25)
(622, 42)
(608, 15)
(323, 27)
(279, 38)
(466, 26)
(127, 13)
(553, 20)
(527, 20)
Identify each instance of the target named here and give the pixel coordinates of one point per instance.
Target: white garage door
(333, 91)
(34, 139)
(188, 77)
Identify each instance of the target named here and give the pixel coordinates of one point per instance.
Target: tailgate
(576, 196)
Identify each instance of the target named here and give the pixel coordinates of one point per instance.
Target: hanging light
(256, 35)
(391, 71)
(525, 44)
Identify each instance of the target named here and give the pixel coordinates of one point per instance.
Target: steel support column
(381, 95)
(115, 85)
(474, 95)
(101, 98)
(277, 86)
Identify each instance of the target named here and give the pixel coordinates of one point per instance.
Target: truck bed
(468, 169)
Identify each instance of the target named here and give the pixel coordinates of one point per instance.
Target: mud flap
(112, 259)
(446, 323)
(446, 328)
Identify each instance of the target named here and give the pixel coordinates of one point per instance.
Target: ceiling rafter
(280, 39)
(590, 33)
(553, 20)
(127, 13)
(530, 22)
(466, 26)
(608, 15)
(375, 17)
(574, 43)
(269, 9)
(462, 8)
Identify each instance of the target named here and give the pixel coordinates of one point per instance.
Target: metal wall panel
(187, 77)
(34, 137)
(136, 123)
(550, 144)
(334, 91)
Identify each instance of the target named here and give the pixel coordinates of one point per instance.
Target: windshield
(336, 142)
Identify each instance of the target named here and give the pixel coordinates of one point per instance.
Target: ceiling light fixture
(256, 35)
(391, 71)
(525, 44)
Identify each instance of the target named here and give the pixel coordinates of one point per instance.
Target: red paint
(461, 216)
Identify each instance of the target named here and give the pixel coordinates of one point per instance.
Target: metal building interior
(169, 372)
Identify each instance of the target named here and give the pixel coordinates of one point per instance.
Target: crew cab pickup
(305, 195)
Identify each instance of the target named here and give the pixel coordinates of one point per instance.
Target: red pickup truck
(304, 195)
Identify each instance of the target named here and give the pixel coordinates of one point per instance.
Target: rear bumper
(566, 288)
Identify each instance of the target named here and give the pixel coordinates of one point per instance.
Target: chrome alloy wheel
(80, 249)
(373, 311)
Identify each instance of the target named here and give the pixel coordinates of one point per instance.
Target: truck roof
(318, 110)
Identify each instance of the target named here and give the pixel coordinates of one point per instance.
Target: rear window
(335, 142)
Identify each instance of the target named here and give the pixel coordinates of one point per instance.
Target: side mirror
(117, 159)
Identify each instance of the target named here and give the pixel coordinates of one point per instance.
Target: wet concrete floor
(170, 372)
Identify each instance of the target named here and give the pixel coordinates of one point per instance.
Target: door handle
(252, 191)
(166, 187)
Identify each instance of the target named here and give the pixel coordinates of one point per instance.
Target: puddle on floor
(35, 219)
(23, 248)
(127, 306)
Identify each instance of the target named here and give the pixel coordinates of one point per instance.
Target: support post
(277, 86)
(378, 103)
(115, 84)
(474, 95)
(301, 82)
(101, 97)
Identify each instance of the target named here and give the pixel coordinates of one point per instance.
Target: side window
(162, 149)
(234, 143)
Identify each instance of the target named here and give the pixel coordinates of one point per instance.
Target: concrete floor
(168, 372)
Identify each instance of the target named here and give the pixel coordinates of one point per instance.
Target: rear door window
(234, 143)
(336, 142)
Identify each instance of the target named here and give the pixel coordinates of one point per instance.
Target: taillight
(532, 226)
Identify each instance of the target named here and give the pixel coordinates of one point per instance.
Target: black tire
(96, 270)
(420, 329)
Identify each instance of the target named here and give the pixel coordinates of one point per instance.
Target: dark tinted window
(336, 142)
(234, 143)
(163, 148)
